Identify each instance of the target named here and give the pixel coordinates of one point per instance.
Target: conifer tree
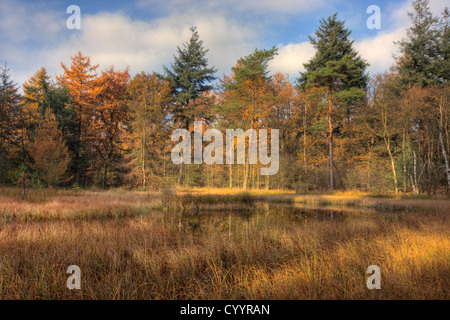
(420, 50)
(338, 69)
(443, 63)
(40, 94)
(189, 76)
(10, 102)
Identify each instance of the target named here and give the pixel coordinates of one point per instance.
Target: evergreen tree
(338, 69)
(443, 63)
(40, 95)
(11, 148)
(420, 50)
(10, 100)
(189, 77)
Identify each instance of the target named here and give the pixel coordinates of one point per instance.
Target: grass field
(217, 244)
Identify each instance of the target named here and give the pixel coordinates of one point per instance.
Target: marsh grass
(182, 245)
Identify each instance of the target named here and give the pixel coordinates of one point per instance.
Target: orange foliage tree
(109, 116)
(148, 100)
(49, 151)
(79, 79)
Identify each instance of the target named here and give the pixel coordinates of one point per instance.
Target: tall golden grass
(140, 245)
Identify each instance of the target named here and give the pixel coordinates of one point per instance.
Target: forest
(94, 126)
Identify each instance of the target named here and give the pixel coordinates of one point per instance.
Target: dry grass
(138, 245)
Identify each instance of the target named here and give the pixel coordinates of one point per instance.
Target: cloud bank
(35, 34)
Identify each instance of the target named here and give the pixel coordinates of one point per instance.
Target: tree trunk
(247, 163)
(330, 144)
(24, 184)
(304, 139)
(405, 178)
(181, 172)
(143, 162)
(416, 184)
(441, 140)
(105, 174)
(394, 173)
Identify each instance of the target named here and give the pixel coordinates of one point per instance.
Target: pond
(269, 215)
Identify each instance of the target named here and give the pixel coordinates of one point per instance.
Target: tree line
(338, 127)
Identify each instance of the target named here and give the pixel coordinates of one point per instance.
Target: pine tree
(338, 69)
(189, 77)
(424, 70)
(443, 63)
(49, 151)
(420, 50)
(40, 94)
(10, 104)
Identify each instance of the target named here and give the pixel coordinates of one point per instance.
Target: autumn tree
(249, 85)
(310, 122)
(48, 150)
(40, 94)
(148, 100)
(423, 72)
(79, 79)
(283, 115)
(381, 117)
(36, 90)
(109, 117)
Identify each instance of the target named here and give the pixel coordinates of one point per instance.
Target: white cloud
(34, 36)
(117, 39)
(379, 50)
(291, 57)
(398, 12)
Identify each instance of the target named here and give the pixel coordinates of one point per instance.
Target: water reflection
(266, 214)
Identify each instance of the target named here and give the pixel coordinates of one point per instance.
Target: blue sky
(143, 34)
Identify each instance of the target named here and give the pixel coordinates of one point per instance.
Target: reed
(129, 247)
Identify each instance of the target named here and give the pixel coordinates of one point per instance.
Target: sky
(143, 34)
